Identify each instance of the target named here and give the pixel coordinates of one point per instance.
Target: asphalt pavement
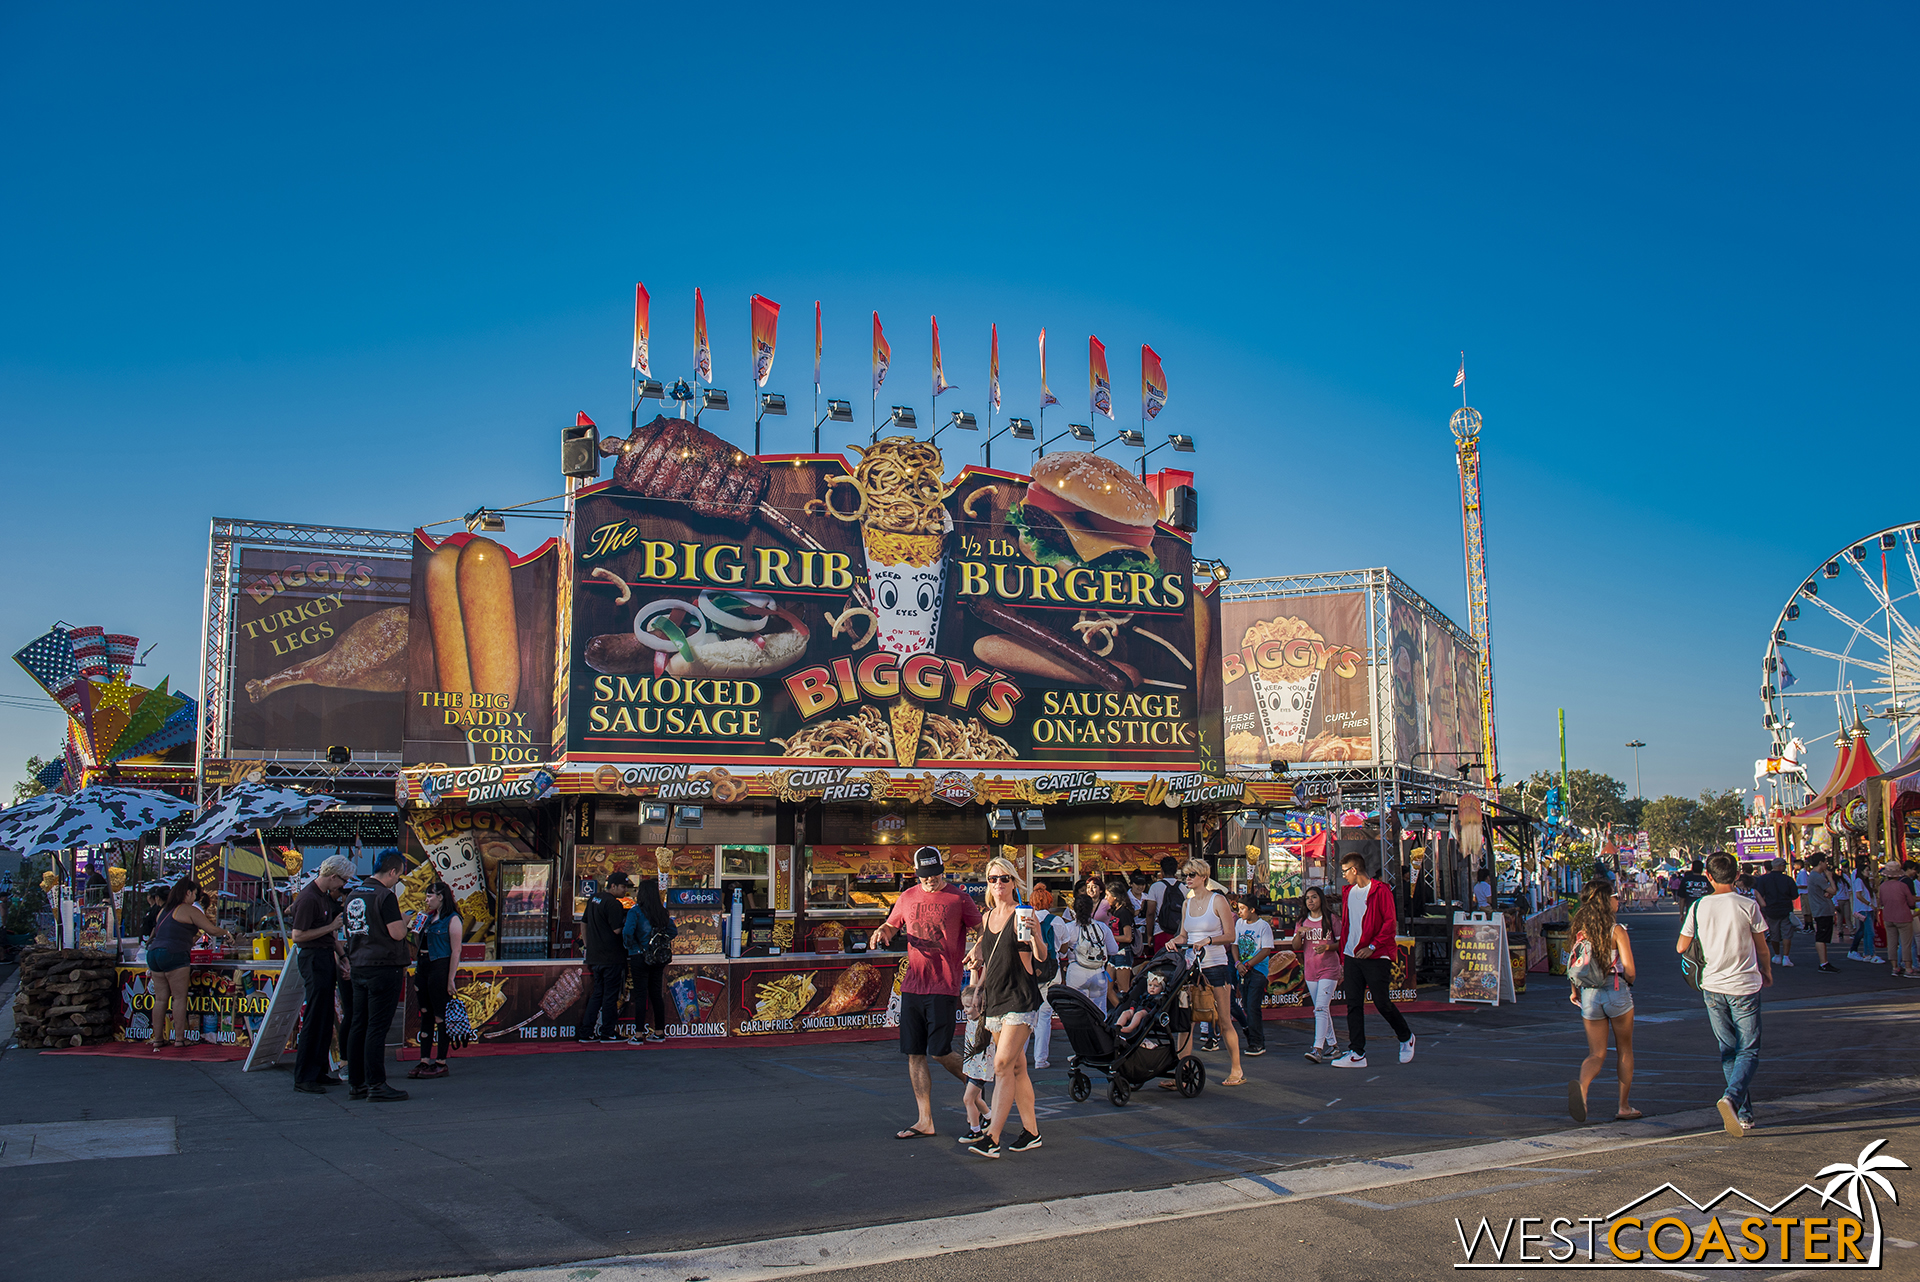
(514, 1162)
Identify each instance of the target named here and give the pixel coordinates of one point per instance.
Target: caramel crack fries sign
(803, 612)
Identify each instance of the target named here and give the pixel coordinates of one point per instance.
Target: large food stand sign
(727, 609)
(318, 644)
(1295, 679)
(480, 648)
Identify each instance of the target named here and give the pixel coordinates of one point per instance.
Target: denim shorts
(1031, 1018)
(1605, 1003)
(1218, 976)
(161, 961)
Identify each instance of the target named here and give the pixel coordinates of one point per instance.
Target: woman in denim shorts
(1607, 1003)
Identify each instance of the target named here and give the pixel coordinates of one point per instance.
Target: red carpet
(192, 1053)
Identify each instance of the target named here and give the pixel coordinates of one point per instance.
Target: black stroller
(1150, 1052)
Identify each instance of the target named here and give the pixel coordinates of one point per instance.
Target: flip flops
(913, 1134)
(1576, 1102)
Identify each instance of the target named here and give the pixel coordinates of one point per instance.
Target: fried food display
(785, 997)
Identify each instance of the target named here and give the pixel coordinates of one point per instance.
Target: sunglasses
(999, 879)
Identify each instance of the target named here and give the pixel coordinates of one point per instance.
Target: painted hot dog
(486, 609)
(1090, 667)
(443, 613)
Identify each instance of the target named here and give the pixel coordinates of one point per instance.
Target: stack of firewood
(65, 998)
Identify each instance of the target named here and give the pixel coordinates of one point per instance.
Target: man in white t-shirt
(1483, 892)
(1733, 941)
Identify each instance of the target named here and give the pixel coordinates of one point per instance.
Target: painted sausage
(443, 613)
(619, 654)
(1092, 668)
(486, 607)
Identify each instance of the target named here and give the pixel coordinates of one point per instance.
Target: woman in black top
(1002, 965)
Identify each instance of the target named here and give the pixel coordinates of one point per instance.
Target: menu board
(783, 996)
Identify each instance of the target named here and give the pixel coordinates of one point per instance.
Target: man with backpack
(1166, 900)
(1776, 893)
(1729, 973)
(606, 959)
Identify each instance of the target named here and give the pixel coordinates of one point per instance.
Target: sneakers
(1874, 960)
(1024, 1141)
(1406, 1049)
(636, 1040)
(1041, 1063)
(656, 1036)
(1729, 1120)
(1828, 966)
(1786, 961)
(984, 1146)
(1855, 957)
(384, 1094)
(974, 1136)
(1253, 1050)
(1321, 1054)
(1350, 1060)
(1774, 958)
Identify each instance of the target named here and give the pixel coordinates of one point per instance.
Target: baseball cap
(927, 862)
(619, 879)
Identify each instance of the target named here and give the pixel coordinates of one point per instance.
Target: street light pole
(1636, 745)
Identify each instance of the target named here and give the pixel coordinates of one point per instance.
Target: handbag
(1693, 962)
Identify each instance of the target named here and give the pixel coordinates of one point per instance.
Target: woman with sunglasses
(1002, 963)
(1601, 973)
(1206, 924)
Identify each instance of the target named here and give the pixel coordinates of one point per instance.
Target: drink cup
(686, 999)
(905, 577)
(1286, 707)
(1023, 927)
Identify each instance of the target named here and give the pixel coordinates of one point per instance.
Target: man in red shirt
(934, 917)
(1367, 947)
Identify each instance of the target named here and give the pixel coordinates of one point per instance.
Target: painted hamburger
(1085, 510)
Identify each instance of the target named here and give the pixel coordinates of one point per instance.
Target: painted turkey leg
(370, 655)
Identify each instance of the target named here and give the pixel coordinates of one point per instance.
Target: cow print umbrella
(94, 816)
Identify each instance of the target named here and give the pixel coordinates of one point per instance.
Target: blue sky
(357, 265)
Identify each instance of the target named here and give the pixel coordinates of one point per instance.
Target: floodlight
(1033, 820)
(964, 421)
(481, 521)
(1181, 444)
(773, 403)
(1021, 428)
(902, 416)
(713, 399)
(1001, 821)
(840, 411)
(1220, 571)
(1278, 767)
(650, 390)
(653, 812)
(1080, 431)
(1132, 438)
(689, 816)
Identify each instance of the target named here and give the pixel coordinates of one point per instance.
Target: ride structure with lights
(1466, 434)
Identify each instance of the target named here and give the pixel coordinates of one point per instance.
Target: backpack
(1089, 953)
(657, 948)
(1583, 969)
(1046, 971)
(1693, 962)
(1172, 908)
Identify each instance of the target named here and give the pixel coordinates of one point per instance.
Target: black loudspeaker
(1184, 509)
(580, 451)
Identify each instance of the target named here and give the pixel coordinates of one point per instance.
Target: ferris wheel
(1845, 648)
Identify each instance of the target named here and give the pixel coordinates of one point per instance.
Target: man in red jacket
(1367, 959)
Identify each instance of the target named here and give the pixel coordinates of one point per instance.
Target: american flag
(1460, 379)
(49, 660)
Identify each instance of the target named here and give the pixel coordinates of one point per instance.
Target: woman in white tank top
(1209, 930)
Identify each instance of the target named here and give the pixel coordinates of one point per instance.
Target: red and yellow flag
(940, 383)
(641, 363)
(882, 354)
(817, 345)
(1099, 386)
(702, 351)
(1153, 383)
(766, 326)
(993, 370)
(1046, 393)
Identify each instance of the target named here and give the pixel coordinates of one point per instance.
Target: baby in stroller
(1139, 1005)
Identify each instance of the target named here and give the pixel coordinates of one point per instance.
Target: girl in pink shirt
(1316, 942)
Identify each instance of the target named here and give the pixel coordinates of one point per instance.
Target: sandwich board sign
(1481, 969)
(277, 1025)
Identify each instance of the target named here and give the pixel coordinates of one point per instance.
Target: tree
(1694, 827)
(31, 785)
